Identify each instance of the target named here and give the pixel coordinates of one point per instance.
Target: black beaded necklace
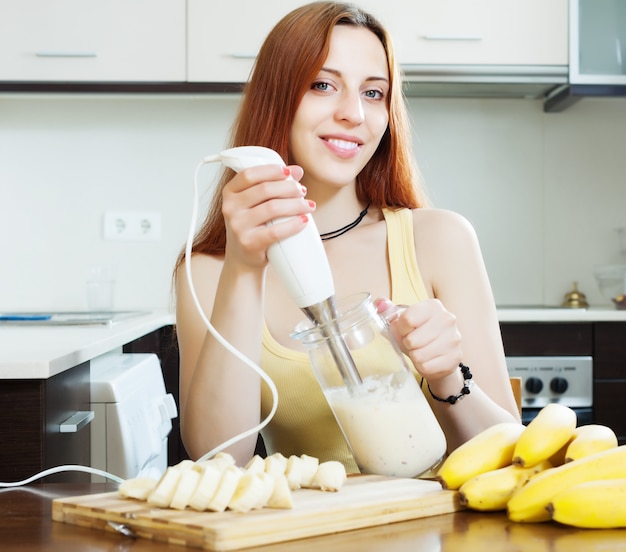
(344, 229)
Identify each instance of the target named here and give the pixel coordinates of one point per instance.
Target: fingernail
(286, 171)
(311, 203)
(304, 218)
(303, 190)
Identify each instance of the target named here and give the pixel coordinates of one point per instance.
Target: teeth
(343, 144)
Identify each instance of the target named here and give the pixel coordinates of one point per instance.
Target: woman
(325, 94)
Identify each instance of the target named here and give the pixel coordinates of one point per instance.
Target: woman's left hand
(427, 333)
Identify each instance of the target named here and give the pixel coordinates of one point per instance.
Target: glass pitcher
(383, 414)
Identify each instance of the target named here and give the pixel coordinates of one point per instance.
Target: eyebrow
(368, 79)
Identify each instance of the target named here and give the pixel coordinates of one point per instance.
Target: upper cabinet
(478, 32)
(92, 40)
(222, 43)
(204, 41)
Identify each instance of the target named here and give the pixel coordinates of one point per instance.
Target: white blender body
(299, 260)
(301, 263)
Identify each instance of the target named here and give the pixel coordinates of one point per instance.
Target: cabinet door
(92, 40)
(480, 32)
(223, 43)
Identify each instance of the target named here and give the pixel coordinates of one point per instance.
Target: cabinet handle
(65, 54)
(243, 55)
(77, 421)
(452, 37)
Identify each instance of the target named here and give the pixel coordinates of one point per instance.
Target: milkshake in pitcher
(386, 419)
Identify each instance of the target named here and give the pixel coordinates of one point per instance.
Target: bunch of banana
(545, 435)
(589, 439)
(530, 503)
(536, 472)
(599, 504)
(218, 484)
(491, 491)
(489, 450)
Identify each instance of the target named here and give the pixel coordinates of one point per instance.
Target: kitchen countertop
(40, 352)
(560, 314)
(26, 524)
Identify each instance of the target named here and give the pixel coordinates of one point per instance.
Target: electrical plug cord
(214, 332)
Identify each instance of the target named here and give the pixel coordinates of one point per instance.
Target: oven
(567, 380)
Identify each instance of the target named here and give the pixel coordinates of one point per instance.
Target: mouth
(345, 148)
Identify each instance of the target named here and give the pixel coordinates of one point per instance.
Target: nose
(350, 108)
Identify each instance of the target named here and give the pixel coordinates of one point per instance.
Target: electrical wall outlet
(132, 226)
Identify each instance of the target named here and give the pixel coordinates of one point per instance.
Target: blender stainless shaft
(324, 315)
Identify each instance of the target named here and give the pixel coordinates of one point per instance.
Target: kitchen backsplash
(545, 192)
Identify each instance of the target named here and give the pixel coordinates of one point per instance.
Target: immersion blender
(301, 264)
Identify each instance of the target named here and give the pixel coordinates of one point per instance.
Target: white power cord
(214, 332)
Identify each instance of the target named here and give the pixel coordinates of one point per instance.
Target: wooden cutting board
(364, 501)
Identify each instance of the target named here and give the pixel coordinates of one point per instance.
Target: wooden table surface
(26, 525)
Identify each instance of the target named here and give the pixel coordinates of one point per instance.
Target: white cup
(100, 288)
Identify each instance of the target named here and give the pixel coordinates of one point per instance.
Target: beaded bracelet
(467, 381)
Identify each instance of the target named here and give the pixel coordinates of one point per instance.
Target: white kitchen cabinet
(92, 40)
(223, 42)
(479, 32)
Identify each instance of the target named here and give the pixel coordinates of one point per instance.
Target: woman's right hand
(256, 196)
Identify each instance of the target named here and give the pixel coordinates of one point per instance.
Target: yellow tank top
(303, 422)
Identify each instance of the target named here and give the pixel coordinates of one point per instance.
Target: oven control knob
(534, 385)
(558, 385)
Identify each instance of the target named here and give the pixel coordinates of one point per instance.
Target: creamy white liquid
(389, 426)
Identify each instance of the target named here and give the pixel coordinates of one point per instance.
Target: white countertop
(39, 352)
(557, 314)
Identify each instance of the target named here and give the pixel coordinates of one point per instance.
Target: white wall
(544, 191)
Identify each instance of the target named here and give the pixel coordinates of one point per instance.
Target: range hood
(483, 81)
(597, 53)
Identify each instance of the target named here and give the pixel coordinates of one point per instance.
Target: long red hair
(288, 62)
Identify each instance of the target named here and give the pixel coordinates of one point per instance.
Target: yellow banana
(529, 502)
(491, 449)
(591, 505)
(490, 491)
(589, 439)
(553, 426)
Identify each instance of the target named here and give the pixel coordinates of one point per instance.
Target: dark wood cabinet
(609, 376)
(31, 412)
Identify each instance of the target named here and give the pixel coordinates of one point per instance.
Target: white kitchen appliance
(133, 415)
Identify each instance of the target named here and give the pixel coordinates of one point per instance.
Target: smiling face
(343, 116)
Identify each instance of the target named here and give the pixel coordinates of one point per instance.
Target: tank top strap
(407, 285)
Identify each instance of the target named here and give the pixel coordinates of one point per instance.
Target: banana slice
(330, 476)
(206, 487)
(138, 487)
(309, 469)
(185, 489)
(226, 489)
(266, 492)
(293, 471)
(249, 491)
(255, 465)
(281, 496)
(276, 464)
(162, 494)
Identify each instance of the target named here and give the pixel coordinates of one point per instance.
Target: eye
(322, 86)
(375, 94)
